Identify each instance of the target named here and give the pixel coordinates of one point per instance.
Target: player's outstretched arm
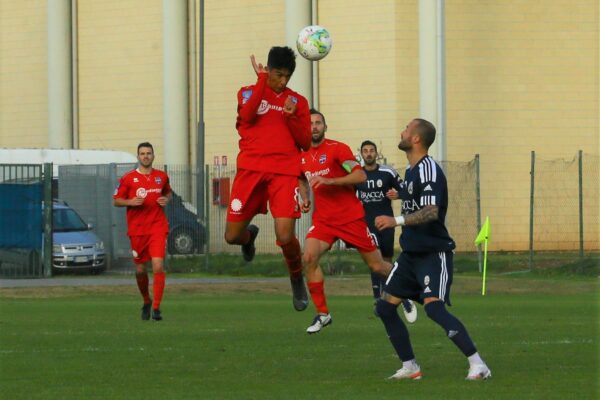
(249, 98)
(355, 177)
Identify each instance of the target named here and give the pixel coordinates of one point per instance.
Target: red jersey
(149, 217)
(270, 140)
(333, 204)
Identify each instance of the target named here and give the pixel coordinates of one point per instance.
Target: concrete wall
(521, 76)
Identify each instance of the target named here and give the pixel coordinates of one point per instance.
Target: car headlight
(100, 245)
(57, 248)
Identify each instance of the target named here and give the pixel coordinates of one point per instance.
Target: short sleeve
(430, 183)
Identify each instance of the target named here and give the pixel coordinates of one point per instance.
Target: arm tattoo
(424, 215)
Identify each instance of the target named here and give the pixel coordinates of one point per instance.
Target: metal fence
(564, 210)
(564, 205)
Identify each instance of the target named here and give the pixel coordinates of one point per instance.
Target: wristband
(399, 220)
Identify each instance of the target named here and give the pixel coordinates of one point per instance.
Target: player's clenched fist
(162, 201)
(384, 221)
(136, 201)
(289, 106)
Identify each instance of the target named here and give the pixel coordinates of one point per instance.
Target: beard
(370, 161)
(317, 137)
(404, 145)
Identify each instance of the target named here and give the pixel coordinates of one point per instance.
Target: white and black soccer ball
(314, 42)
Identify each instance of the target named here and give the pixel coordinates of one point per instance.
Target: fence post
(580, 204)
(47, 219)
(531, 198)
(207, 219)
(168, 255)
(478, 205)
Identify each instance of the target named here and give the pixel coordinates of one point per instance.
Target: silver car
(75, 245)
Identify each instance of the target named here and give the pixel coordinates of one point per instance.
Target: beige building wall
(521, 76)
(120, 75)
(23, 74)
(367, 85)
(234, 30)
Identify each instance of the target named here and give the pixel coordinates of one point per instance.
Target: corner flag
(484, 237)
(484, 233)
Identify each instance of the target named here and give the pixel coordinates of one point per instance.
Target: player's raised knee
(309, 259)
(231, 238)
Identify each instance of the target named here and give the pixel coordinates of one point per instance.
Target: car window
(67, 220)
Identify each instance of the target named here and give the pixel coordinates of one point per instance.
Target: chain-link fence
(565, 208)
(564, 212)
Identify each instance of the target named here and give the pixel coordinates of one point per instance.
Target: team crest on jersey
(135, 180)
(157, 180)
(410, 188)
(246, 95)
(426, 280)
(322, 158)
(294, 99)
(141, 192)
(303, 162)
(263, 108)
(379, 183)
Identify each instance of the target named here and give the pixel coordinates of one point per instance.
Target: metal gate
(22, 219)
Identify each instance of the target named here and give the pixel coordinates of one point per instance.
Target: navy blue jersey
(372, 192)
(425, 184)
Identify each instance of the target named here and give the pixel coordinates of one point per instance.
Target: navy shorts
(417, 276)
(385, 241)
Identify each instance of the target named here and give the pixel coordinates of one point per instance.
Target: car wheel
(181, 242)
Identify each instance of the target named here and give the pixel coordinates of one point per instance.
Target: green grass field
(244, 341)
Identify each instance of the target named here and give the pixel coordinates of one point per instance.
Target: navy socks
(455, 330)
(396, 330)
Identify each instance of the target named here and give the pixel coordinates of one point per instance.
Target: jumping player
(376, 194)
(423, 271)
(274, 124)
(145, 191)
(331, 172)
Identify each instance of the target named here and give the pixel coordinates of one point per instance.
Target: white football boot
(320, 322)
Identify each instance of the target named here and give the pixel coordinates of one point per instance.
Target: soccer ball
(314, 42)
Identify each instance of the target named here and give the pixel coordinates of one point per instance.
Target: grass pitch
(244, 341)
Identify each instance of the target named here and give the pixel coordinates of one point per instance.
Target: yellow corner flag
(484, 237)
(484, 233)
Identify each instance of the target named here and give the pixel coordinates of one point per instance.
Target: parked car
(75, 246)
(186, 231)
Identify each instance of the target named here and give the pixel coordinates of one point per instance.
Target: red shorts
(355, 234)
(145, 247)
(252, 190)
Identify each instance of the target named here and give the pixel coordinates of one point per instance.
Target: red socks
(142, 282)
(158, 286)
(291, 254)
(317, 293)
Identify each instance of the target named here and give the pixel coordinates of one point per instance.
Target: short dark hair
(282, 57)
(144, 144)
(367, 143)
(426, 131)
(315, 111)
